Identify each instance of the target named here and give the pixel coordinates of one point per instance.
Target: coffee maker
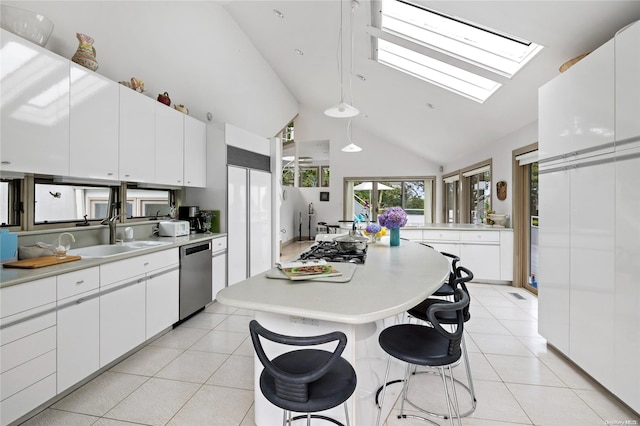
(191, 214)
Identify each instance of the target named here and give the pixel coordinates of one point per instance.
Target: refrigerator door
(259, 222)
(237, 228)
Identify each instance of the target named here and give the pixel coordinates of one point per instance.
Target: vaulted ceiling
(433, 123)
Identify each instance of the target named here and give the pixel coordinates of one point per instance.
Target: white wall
(501, 152)
(377, 158)
(193, 50)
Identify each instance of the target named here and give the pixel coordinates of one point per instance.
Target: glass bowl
(29, 25)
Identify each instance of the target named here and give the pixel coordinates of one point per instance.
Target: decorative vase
(373, 238)
(394, 239)
(86, 53)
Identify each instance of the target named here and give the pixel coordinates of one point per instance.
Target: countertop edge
(63, 268)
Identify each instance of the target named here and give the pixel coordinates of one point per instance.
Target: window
(451, 198)
(366, 198)
(142, 202)
(64, 202)
(478, 183)
(419, 28)
(10, 202)
(309, 177)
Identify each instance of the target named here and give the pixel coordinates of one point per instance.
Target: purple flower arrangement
(373, 228)
(393, 218)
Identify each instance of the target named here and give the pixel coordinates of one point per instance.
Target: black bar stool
(305, 380)
(433, 346)
(462, 276)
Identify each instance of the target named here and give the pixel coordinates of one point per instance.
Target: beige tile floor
(201, 373)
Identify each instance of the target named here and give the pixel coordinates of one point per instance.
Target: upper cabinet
(61, 119)
(576, 109)
(94, 123)
(627, 92)
(169, 154)
(35, 108)
(195, 152)
(137, 136)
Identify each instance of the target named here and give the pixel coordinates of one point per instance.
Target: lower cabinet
(162, 300)
(122, 318)
(487, 253)
(27, 347)
(78, 319)
(218, 265)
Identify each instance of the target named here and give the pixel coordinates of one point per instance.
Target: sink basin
(100, 251)
(146, 244)
(107, 250)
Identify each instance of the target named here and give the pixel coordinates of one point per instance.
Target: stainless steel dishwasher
(195, 277)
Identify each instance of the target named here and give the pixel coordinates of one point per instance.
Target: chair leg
(346, 413)
(446, 393)
(405, 388)
(384, 390)
(467, 366)
(308, 419)
(455, 397)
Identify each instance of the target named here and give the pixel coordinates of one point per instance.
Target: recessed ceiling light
(361, 77)
(299, 52)
(278, 13)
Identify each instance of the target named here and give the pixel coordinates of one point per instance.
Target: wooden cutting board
(39, 262)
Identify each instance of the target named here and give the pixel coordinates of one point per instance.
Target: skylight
(480, 46)
(436, 72)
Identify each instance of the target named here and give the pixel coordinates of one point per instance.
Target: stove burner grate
(328, 250)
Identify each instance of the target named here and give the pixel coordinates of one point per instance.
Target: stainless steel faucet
(111, 221)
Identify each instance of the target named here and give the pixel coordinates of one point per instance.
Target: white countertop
(392, 280)
(13, 276)
(458, 227)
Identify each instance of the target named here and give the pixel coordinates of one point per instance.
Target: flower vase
(85, 54)
(394, 239)
(373, 238)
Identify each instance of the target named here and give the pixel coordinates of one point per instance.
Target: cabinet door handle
(79, 301)
(146, 263)
(80, 282)
(5, 162)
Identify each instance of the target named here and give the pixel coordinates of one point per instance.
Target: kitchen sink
(107, 250)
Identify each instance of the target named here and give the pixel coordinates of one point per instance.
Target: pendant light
(352, 147)
(343, 109)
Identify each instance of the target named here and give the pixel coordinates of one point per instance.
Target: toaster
(173, 228)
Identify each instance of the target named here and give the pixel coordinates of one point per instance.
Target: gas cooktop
(329, 251)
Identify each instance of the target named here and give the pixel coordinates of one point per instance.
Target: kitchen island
(392, 280)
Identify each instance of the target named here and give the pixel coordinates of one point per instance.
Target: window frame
(381, 179)
(454, 177)
(465, 189)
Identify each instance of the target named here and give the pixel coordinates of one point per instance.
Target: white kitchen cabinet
(218, 265)
(592, 274)
(259, 215)
(124, 309)
(626, 332)
(483, 259)
(627, 91)
(34, 99)
(237, 226)
(506, 255)
(576, 109)
(169, 145)
(136, 137)
(163, 300)
(195, 153)
(122, 318)
(554, 256)
(78, 319)
(411, 234)
(94, 125)
(27, 347)
(487, 253)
